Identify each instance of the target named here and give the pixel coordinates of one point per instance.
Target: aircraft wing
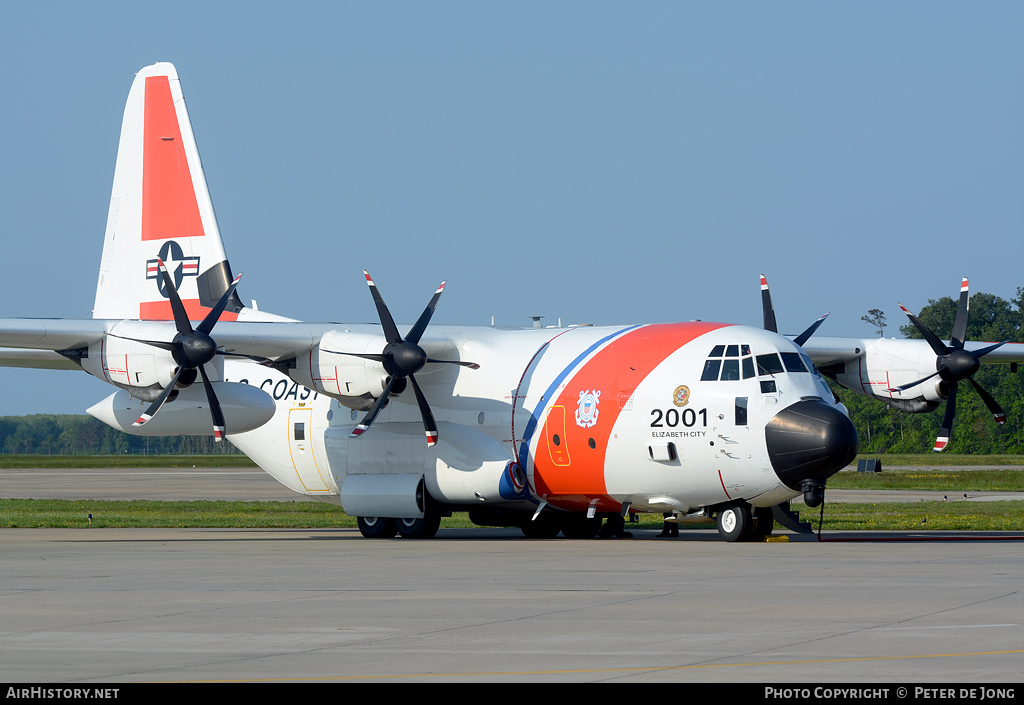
(51, 333)
(36, 342)
(825, 351)
(830, 351)
(39, 359)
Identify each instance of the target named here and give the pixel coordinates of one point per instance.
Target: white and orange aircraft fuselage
(549, 429)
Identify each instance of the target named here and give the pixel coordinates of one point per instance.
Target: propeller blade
(428, 418)
(155, 343)
(985, 351)
(376, 357)
(912, 384)
(386, 321)
(374, 410)
(421, 325)
(214, 315)
(802, 338)
(997, 411)
(255, 358)
(470, 365)
(181, 321)
(937, 345)
(215, 410)
(156, 405)
(767, 310)
(960, 322)
(947, 421)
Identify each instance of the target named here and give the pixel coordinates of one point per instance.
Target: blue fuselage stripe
(535, 415)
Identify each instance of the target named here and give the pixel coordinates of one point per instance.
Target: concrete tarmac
(166, 484)
(117, 605)
(109, 605)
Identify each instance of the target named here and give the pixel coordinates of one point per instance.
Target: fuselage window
(769, 365)
(741, 411)
(793, 362)
(731, 369)
(748, 367)
(711, 368)
(300, 431)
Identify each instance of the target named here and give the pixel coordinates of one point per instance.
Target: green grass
(125, 461)
(60, 513)
(942, 459)
(919, 516)
(941, 480)
(146, 514)
(33, 513)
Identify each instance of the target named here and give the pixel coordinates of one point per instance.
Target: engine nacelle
(888, 364)
(141, 369)
(245, 408)
(353, 381)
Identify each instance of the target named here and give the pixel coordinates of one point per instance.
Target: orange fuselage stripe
(622, 365)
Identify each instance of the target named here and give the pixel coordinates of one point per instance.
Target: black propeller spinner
(952, 364)
(191, 349)
(768, 311)
(402, 358)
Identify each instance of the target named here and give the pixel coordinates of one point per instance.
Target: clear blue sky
(600, 162)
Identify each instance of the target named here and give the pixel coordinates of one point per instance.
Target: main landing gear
(739, 521)
(381, 528)
(377, 527)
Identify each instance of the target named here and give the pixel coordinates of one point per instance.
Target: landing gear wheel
(424, 528)
(580, 527)
(764, 523)
(543, 527)
(735, 522)
(377, 527)
(615, 526)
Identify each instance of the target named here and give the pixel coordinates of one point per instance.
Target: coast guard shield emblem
(586, 409)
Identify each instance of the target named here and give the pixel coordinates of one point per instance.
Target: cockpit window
(711, 368)
(793, 362)
(769, 365)
(731, 368)
(810, 365)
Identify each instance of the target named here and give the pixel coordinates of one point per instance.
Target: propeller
(402, 358)
(953, 363)
(191, 349)
(768, 311)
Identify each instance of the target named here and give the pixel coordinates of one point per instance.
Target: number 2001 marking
(672, 418)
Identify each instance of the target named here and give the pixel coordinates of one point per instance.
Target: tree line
(74, 434)
(994, 319)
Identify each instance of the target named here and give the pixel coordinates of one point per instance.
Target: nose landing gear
(739, 521)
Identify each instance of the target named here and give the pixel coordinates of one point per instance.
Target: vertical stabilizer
(160, 207)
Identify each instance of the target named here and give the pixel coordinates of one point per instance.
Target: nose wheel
(735, 522)
(741, 522)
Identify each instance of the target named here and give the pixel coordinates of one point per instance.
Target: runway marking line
(652, 669)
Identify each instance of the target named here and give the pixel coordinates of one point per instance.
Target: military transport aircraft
(549, 429)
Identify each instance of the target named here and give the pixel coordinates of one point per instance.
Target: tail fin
(160, 207)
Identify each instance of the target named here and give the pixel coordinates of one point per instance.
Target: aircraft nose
(810, 440)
